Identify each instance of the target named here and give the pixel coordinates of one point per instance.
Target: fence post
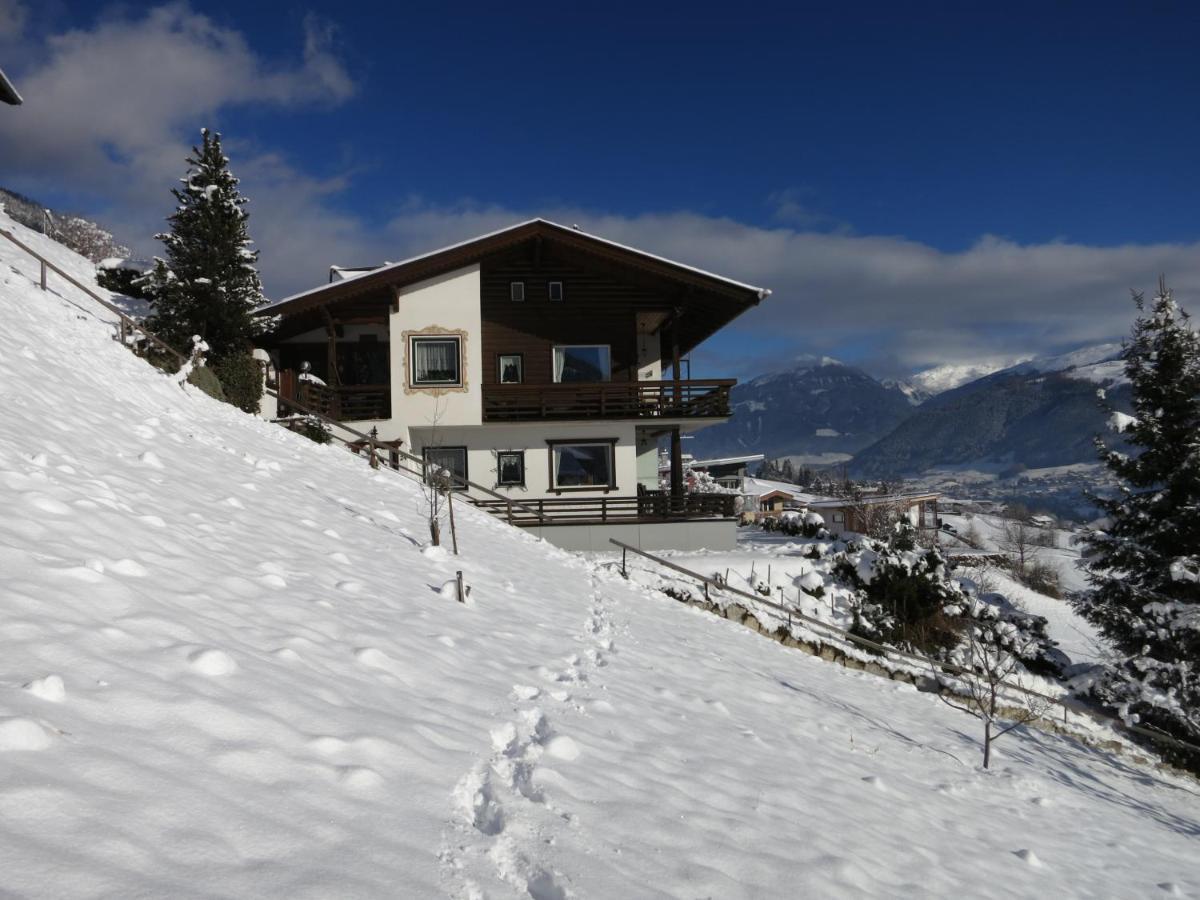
(453, 532)
(508, 504)
(462, 596)
(624, 574)
(43, 262)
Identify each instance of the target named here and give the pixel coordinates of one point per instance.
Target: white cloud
(97, 124)
(110, 110)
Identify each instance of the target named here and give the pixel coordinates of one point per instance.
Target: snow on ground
(227, 668)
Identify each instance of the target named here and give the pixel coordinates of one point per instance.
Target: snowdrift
(228, 668)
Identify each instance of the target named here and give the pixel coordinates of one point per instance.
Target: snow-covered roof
(762, 293)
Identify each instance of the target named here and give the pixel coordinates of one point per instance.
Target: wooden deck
(691, 399)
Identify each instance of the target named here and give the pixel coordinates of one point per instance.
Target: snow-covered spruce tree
(207, 284)
(1144, 567)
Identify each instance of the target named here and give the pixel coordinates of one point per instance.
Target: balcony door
(582, 362)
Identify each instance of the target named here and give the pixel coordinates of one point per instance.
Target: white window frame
(414, 340)
(555, 374)
(516, 291)
(610, 447)
(550, 291)
(520, 358)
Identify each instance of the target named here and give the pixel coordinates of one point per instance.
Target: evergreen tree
(1144, 568)
(207, 284)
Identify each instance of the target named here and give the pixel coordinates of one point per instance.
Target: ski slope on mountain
(229, 667)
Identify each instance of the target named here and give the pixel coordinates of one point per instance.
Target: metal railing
(128, 325)
(608, 400)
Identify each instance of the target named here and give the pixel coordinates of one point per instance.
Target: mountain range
(819, 409)
(1037, 413)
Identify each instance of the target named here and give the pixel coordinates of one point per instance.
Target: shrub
(1042, 577)
(242, 379)
(315, 430)
(206, 380)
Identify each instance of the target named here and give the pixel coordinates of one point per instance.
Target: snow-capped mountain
(1037, 413)
(820, 406)
(931, 382)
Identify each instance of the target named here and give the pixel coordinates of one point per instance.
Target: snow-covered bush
(207, 381)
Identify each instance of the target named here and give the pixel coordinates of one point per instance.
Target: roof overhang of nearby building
(8, 93)
(733, 297)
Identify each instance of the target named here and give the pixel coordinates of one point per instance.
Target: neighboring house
(774, 502)
(728, 472)
(871, 514)
(531, 361)
(8, 93)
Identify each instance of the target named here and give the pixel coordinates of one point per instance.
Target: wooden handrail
(127, 319)
(403, 454)
(616, 386)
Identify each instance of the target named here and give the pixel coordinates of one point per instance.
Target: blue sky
(918, 184)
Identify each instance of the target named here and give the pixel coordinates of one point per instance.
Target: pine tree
(207, 284)
(1144, 568)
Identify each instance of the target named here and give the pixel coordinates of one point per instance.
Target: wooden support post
(453, 533)
(509, 507)
(462, 591)
(676, 466)
(43, 279)
(624, 574)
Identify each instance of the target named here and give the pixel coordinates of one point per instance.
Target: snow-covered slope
(227, 668)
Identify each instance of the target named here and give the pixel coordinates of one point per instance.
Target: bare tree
(875, 519)
(436, 480)
(991, 657)
(1019, 544)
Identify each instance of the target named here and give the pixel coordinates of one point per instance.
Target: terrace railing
(655, 506)
(608, 400)
(351, 403)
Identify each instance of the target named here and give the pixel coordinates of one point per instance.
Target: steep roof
(420, 267)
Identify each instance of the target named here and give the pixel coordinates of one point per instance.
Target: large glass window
(582, 362)
(446, 463)
(435, 361)
(582, 465)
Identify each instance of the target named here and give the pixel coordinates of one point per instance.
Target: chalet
(866, 514)
(532, 362)
(774, 501)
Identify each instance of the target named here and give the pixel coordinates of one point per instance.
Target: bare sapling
(990, 658)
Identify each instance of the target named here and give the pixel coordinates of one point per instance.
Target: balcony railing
(608, 400)
(653, 506)
(354, 403)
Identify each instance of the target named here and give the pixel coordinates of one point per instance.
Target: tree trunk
(987, 743)
(435, 531)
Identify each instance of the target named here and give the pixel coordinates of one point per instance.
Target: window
(556, 292)
(582, 465)
(582, 362)
(839, 517)
(516, 291)
(510, 468)
(452, 460)
(512, 368)
(435, 361)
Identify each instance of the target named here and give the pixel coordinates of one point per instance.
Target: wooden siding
(598, 307)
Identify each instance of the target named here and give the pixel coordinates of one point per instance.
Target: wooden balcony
(652, 506)
(608, 400)
(353, 403)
